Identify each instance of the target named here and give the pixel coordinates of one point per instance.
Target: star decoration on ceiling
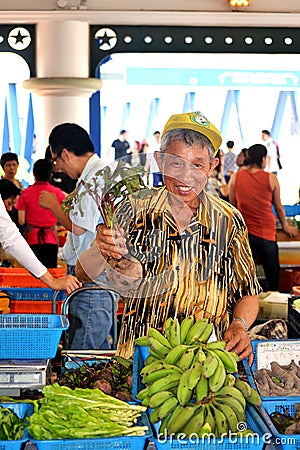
(106, 38)
(19, 38)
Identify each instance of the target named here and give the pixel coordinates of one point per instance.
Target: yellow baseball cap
(195, 121)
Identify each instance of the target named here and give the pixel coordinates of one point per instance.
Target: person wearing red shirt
(254, 192)
(40, 223)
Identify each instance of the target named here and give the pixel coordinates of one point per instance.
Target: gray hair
(189, 137)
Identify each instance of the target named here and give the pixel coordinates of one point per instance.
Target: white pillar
(62, 85)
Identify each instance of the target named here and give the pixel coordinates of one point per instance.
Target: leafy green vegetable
(11, 426)
(82, 413)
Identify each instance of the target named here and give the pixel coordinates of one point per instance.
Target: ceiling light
(239, 2)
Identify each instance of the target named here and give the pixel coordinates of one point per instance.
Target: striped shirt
(203, 271)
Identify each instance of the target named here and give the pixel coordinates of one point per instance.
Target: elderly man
(192, 247)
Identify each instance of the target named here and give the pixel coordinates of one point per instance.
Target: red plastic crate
(20, 277)
(34, 307)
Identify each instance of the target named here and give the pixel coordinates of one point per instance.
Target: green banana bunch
(158, 336)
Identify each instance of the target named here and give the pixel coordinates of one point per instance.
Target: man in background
(272, 155)
(121, 145)
(229, 161)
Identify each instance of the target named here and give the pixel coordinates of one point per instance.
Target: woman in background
(254, 191)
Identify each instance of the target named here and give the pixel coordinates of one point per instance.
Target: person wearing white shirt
(13, 242)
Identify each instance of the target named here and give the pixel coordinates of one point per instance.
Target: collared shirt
(203, 271)
(84, 214)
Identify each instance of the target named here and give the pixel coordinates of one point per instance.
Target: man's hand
(48, 200)
(111, 242)
(238, 341)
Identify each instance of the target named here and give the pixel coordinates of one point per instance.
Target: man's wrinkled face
(186, 169)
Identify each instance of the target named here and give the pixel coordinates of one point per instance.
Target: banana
(158, 374)
(154, 333)
(175, 354)
(201, 389)
(158, 347)
(206, 333)
(195, 331)
(243, 386)
(163, 428)
(167, 407)
(209, 418)
(205, 430)
(142, 394)
(221, 428)
(172, 331)
(167, 369)
(175, 412)
(195, 423)
(209, 366)
(142, 340)
(157, 356)
(235, 405)
(152, 367)
(149, 360)
(229, 359)
(145, 401)
(220, 345)
(187, 358)
(230, 380)
(254, 398)
(217, 380)
(195, 374)
(153, 416)
(164, 384)
(185, 326)
(200, 356)
(178, 423)
(184, 393)
(159, 398)
(232, 392)
(229, 414)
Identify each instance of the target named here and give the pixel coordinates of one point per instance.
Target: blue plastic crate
(21, 410)
(32, 293)
(30, 336)
(286, 441)
(110, 443)
(256, 442)
(140, 355)
(284, 354)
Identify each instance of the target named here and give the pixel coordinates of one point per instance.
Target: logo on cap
(199, 119)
